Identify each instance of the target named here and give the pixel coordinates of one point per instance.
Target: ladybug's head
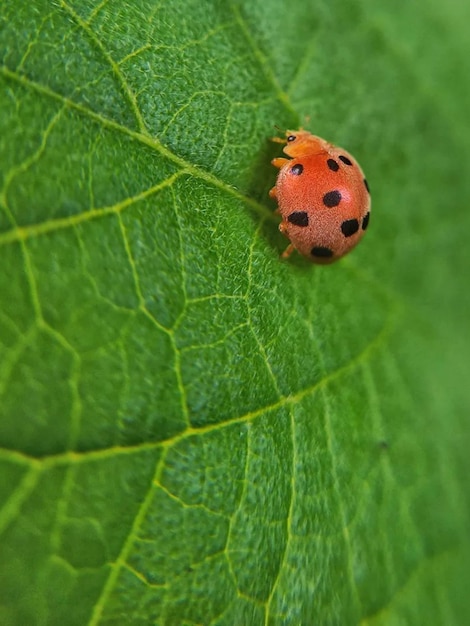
(301, 142)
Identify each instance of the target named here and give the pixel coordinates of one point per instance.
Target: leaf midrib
(34, 230)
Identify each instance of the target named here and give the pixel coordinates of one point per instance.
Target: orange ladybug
(323, 197)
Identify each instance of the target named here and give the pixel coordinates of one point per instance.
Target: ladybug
(323, 197)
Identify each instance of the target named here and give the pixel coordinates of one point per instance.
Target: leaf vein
(129, 94)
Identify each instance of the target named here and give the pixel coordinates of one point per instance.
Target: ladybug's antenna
(278, 139)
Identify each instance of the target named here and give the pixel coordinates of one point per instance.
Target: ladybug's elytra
(323, 197)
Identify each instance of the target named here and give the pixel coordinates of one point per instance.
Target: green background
(193, 431)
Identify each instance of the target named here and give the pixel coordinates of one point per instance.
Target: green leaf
(193, 431)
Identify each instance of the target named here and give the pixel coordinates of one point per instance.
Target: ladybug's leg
(288, 251)
(273, 194)
(279, 162)
(290, 248)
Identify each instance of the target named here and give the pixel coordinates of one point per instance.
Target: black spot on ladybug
(291, 138)
(332, 165)
(297, 169)
(365, 221)
(321, 252)
(367, 185)
(332, 198)
(345, 159)
(299, 218)
(349, 227)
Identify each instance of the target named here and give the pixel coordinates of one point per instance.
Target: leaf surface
(193, 431)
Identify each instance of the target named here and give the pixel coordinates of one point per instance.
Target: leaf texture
(191, 430)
